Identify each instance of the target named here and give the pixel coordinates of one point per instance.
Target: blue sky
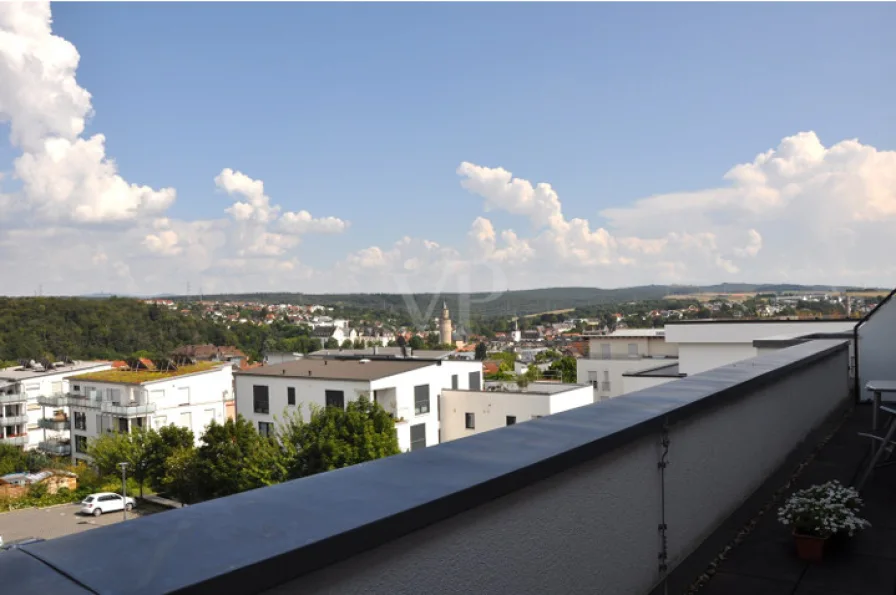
(364, 111)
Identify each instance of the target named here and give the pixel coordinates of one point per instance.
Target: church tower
(445, 326)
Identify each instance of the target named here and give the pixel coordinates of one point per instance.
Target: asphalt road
(57, 521)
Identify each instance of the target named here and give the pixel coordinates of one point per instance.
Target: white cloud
(799, 212)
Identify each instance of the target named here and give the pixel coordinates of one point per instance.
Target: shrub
(824, 510)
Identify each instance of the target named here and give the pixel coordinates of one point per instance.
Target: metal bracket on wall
(663, 527)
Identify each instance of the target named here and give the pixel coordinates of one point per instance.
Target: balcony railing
(14, 419)
(681, 456)
(17, 440)
(55, 400)
(125, 409)
(13, 398)
(55, 448)
(53, 424)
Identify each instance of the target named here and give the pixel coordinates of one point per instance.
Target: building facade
(410, 391)
(626, 351)
(467, 412)
(122, 400)
(21, 415)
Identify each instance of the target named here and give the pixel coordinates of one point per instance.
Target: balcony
(82, 400)
(55, 447)
(11, 420)
(570, 503)
(15, 439)
(127, 409)
(10, 398)
(54, 424)
(55, 400)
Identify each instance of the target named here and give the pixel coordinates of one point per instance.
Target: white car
(97, 504)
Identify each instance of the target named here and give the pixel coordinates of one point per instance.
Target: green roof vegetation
(141, 376)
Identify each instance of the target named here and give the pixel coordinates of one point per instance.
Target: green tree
(181, 475)
(416, 343)
(567, 368)
(234, 458)
(139, 449)
(331, 343)
(333, 438)
(171, 438)
(347, 344)
(481, 351)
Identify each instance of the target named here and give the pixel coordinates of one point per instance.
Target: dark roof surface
(333, 369)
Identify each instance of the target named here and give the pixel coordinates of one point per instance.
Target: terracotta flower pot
(809, 547)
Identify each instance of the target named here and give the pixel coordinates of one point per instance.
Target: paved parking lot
(57, 521)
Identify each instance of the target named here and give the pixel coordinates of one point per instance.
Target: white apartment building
(622, 352)
(20, 387)
(122, 399)
(467, 412)
(407, 389)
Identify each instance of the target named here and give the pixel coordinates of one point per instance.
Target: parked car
(97, 504)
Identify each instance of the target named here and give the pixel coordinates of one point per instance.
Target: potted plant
(817, 513)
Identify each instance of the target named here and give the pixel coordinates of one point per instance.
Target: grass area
(705, 297)
(868, 293)
(140, 376)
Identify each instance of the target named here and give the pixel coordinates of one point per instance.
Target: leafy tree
(522, 380)
(139, 449)
(331, 343)
(416, 343)
(171, 438)
(481, 352)
(335, 438)
(567, 368)
(234, 458)
(347, 344)
(181, 475)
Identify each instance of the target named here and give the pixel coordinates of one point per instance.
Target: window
(418, 436)
(335, 398)
(81, 444)
(592, 379)
(266, 428)
(633, 349)
(76, 387)
(470, 421)
(511, 419)
(474, 380)
(260, 399)
(161, 421)
(291, 396)
(454, 381)
(183, 395)
(606, 375)
(80, 420)
(421, 399)
(605, 351)
(123, 425)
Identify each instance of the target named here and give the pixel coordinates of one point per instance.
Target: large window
(474, 380)
(335, 398)
(605, 350)
(265, 428)
(421, 399)
(80, 420)
(418, 436)
(291, 396)
(470, 421)
(261, 402)
(454, 381)
(81, 444)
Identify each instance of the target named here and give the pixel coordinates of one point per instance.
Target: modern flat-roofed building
(622, 352)
(468, 412)
(407, 389)
(121, 400)
(21, 416)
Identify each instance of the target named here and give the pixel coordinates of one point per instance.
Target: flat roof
(382, 351)
(19, 373)
(666, 371)
(124, 376)
(534, 388)
(336, 369)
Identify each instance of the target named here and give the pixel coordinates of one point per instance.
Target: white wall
(694, 358)
(631, 384)
(876, 348)
(614, 368)
(491, 408)
(747, 332)
(593, 529)
(280, 357)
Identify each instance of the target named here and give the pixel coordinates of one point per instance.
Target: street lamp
(124, 490)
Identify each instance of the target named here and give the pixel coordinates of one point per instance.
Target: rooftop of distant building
(142, 376)
(336, 369)
(22, 373)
